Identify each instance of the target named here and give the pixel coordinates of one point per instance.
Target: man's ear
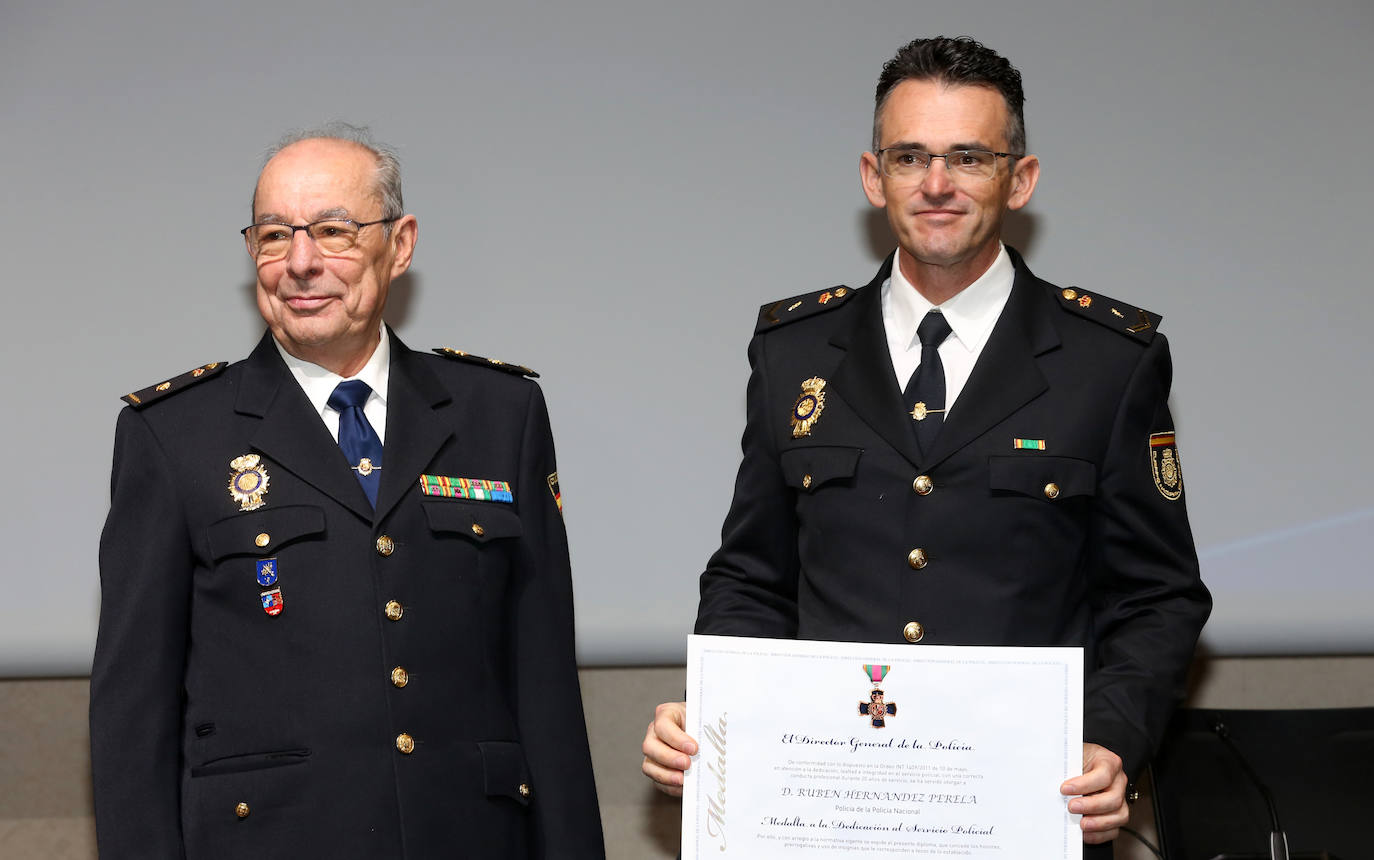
(404, 234)
(871, 175)
(1023, 179)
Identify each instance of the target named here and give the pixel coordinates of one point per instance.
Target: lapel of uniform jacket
(291, 433)
(414, 432)
(1006, 376)
(865, 378)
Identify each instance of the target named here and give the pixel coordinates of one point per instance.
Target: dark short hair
(956, 62)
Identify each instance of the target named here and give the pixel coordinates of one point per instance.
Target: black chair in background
(1226, 780)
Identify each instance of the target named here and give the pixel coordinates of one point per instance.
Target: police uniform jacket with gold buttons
(417, 695)
(850, 532)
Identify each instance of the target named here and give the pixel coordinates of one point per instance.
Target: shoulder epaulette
(494, 363)
(780, 313)
(140, 399)
(1128, 319)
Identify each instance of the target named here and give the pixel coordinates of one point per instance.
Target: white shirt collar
(318, 383)
(971, 313)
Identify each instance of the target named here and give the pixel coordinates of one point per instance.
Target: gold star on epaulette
(494, 363)
(799, 307)
(1118, 316)
(142, 398)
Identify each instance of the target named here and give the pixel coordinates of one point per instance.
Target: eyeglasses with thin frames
(909, 163)
(333, 236)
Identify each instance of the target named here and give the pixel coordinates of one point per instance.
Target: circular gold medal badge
(249, 482)
(807, 410)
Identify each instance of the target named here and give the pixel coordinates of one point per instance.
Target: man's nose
(303, 259)
(937, 181)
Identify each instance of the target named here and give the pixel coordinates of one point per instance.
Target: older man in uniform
(337, 610)
(959, 452)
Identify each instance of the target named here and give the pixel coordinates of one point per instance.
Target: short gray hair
(387, 179)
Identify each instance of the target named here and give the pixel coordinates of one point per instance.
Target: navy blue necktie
(925, 392)
(356, 436)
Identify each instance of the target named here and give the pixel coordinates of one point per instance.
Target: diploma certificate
(841, 749)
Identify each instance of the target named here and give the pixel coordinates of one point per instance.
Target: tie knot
(933, 330)
(349, 393)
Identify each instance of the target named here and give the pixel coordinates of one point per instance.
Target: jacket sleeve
(552, 726)
(1149, 603)
(140, 653)
(750, 584)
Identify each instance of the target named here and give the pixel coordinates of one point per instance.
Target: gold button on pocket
(478, 530)
(263, 539)
(524, 789)
(806, 482)
(1051, 490)
(913, 631)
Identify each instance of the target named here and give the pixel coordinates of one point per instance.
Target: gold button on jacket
(385, 545)
(405, 743)
(400, 677)
(242, 810)
(913, 631)
(394, 610)
(917, 558)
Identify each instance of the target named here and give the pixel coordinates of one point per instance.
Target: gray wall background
(608, 191)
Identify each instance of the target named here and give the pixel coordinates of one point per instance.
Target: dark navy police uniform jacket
(415, 697)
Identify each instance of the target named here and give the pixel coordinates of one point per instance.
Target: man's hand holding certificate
(825, 749)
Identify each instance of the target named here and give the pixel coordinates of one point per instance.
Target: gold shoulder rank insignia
(784, 311)
(494, 363)
(142, 398)
(1166, 466)
(1117, 316)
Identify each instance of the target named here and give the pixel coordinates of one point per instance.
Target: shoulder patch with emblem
(494, 363)
(1128, 319)
(784, 311)
(1166, 466)
(152, 393)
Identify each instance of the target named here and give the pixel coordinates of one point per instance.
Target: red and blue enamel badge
(272, 602)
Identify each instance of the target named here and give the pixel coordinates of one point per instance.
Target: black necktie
(925, 392)
(356, 436)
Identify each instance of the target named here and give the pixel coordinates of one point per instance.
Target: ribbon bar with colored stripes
(478, 489)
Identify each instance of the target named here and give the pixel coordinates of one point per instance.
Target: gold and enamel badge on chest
(1165, 465)
(807, 410)
(249, 482)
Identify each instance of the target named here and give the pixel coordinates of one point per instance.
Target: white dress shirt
(971, 315)
(318, 384)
